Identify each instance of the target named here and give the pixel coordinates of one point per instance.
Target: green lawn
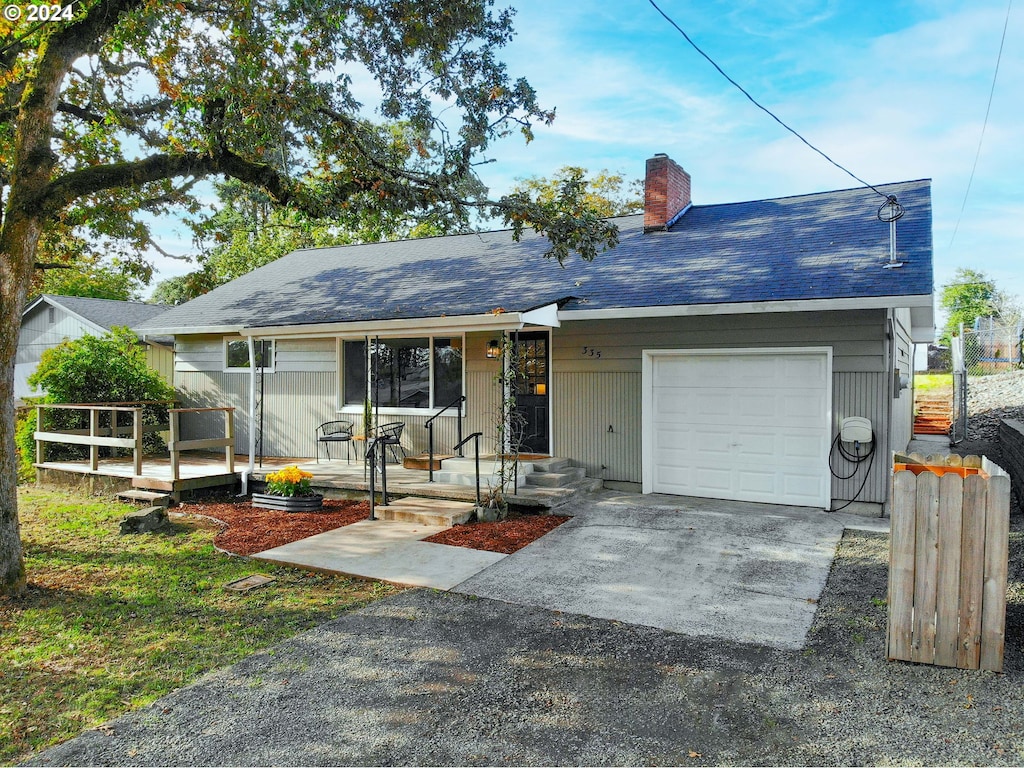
(933, 382)
(112, 622)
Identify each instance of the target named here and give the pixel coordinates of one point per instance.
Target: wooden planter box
(948, 561)
(288, 503)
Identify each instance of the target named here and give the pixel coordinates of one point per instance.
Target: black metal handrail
(475, 437)
(429, 424)
(371, 458)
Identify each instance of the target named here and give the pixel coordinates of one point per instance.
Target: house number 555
(591, 352)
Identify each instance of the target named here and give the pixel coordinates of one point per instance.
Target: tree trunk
(18, 240)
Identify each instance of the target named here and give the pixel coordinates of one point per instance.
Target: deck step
(415, 509)
(152, 498)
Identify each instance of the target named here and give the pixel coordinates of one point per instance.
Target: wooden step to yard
(152, 498)
(423, 461)
(416, 509)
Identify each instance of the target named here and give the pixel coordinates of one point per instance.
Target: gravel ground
(444, 679)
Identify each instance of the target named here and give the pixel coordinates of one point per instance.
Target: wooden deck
(193, 472)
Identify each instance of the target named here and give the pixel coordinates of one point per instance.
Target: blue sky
(893, 91)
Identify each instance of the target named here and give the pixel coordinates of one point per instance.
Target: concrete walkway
(387, 550)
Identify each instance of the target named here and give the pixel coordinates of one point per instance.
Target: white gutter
(488, 322)
(752, 307)
(191, 330)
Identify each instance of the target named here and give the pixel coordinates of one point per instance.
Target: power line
(984, 125)
(772, 115)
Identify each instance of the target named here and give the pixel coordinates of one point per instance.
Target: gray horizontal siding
(857, 338)
(206, 353)
(38, 333)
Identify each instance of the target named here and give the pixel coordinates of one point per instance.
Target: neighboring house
(714, 352)
(49, 320)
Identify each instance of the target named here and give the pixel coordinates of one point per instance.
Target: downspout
(890, 385)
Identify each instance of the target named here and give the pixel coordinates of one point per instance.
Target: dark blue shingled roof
(819, 246)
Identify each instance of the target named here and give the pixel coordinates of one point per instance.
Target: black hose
(856, 459)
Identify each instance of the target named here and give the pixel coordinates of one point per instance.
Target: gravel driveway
(446, 679)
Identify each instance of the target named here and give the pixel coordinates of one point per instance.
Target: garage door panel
(805, 446)
(808, 368)
(752, 482)
(755, 445)
(744, 426)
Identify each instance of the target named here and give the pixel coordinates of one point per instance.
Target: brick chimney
(666, 192)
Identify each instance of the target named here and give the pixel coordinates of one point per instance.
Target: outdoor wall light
(493, 349)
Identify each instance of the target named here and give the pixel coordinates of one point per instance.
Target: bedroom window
(419, 372)
(236, 354)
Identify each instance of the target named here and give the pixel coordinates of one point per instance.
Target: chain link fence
(986, 349)
(991, 347)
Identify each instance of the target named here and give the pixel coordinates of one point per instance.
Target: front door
(532, 365)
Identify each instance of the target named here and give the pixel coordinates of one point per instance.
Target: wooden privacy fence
(948, 561)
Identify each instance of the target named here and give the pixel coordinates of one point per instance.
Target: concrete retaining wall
(1011, 443)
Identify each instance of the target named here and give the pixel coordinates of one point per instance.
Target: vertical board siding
(483, 399)
(861, 394)
(598, 422)
(161, 360)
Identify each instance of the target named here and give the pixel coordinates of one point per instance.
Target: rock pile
(991, 399)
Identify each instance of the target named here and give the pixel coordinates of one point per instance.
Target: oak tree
(119, 110)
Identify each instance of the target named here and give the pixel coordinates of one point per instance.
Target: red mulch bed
(250, 529)
(506, 536)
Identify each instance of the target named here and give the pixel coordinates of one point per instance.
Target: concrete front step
(564, 477)
(488, 466)
(550, 465)
(414, 509)
(468, 479)
(557, 496)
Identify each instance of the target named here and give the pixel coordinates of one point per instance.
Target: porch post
(252, 404)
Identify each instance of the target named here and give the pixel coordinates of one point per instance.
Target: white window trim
(239, 339)
(387, 410)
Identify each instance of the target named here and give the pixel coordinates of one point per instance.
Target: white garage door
(749, 425)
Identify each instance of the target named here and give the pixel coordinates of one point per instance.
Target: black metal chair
(390, 435)
(334, 432)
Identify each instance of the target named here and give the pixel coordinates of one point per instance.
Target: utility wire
(756, 103)
(984, 125)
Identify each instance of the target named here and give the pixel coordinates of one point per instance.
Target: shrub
(99, 369)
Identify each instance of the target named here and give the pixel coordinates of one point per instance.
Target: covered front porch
(543, 482)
